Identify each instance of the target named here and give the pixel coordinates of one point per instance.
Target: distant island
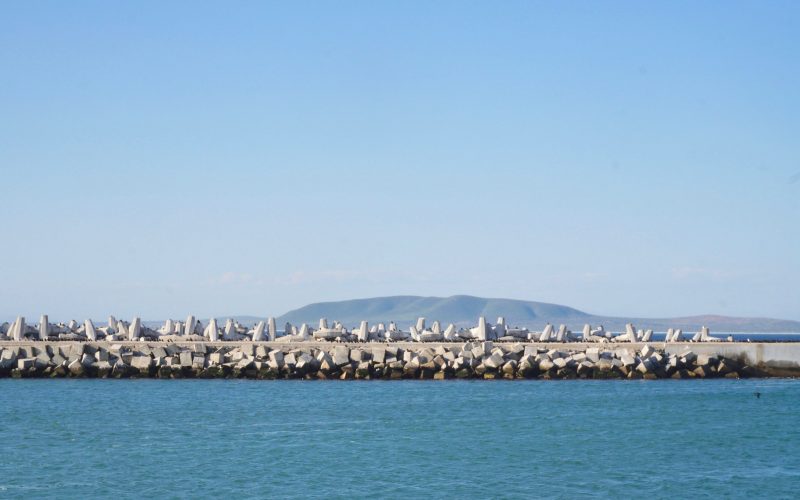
(463, 310)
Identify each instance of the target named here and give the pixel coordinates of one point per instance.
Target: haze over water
(189, 438)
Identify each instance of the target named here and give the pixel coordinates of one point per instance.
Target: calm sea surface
(246, 439)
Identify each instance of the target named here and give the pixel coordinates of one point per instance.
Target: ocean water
(443, 439)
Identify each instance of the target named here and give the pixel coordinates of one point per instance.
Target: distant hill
(405, 309)
(463, 310)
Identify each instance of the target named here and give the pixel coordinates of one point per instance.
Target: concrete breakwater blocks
(322, 360)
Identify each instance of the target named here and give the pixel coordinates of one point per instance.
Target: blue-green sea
(400, 439)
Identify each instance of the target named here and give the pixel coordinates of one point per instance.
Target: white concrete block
(277, 358)
(44, 327)
(19, 328)
(561, 335)
(89, 330)
(212, 331)
(363, 332)
(258, 332)
(494, 361)
(546, 333)
(190, 325)
(134, 331)
(341, 355)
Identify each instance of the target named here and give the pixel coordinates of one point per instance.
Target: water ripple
(296, 439)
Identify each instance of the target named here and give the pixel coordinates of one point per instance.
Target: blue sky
(625, 158)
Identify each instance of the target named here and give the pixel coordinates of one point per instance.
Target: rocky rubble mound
(472, 360)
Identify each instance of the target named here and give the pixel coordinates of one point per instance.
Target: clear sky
(626, 158)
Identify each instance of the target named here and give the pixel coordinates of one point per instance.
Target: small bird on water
(757, 395)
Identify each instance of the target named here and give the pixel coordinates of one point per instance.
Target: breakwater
(401, 360)
(267, 330)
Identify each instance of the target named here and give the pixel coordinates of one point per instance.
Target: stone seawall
(323, 360)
